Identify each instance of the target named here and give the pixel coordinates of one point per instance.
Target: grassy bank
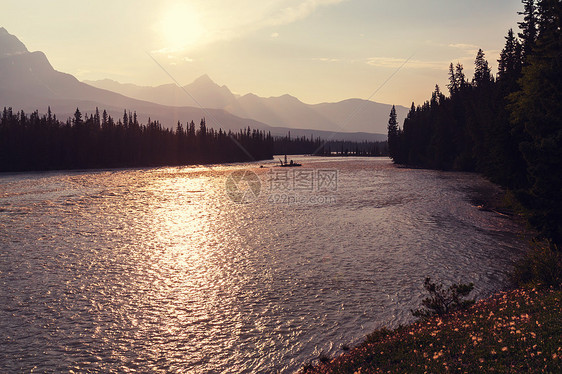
(517, 332)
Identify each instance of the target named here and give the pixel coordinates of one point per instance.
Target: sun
(181, 27)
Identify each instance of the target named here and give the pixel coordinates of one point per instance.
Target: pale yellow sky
(316, 50)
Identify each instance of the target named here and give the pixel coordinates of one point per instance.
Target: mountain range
(29, 82)
(353, 115)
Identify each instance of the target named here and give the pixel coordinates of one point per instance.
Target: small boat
(285, 164)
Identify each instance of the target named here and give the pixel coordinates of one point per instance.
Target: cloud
(295, 12)
(393, 62)
(469, 47)
(469, 50)
(326, 59)
(220, 21)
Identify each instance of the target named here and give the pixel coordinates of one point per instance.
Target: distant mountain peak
(10, 45)
(204, 79)
(287, 96)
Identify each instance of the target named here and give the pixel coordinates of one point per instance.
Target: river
(231, 268)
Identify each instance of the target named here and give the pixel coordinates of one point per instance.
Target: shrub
(442, 301)
(324, 358)
(542, 266)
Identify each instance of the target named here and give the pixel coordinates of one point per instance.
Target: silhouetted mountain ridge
(29, 82)
(351, 115)
(10, 45)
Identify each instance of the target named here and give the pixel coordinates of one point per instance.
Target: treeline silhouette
(509, 128)
(42, 142)
(318, 147)
(35, 142)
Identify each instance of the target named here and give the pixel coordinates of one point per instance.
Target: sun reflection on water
(157, 270)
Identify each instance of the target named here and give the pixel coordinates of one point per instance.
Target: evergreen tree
(528, 27)
(125, 119)
(77, 121)
(436, 97)
(510, 64)
(457, 79)
(537, 108)
(97, 118)
(459, 76)
(104, 119)
(482, 71)
(393, 133)
(452, 86)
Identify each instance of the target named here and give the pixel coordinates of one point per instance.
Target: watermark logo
(302, 186)
(303, 180)
(287, 187)
(243, 186)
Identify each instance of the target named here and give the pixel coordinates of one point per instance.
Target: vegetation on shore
(42, 142)
(516, 331)
(507, 127)
(35, 142)
(321, 147)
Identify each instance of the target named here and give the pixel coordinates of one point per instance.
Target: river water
(197, 269)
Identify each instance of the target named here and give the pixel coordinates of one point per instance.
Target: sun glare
(181, 27)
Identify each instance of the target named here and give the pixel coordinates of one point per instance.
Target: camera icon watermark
(243, 186)
(288, 187)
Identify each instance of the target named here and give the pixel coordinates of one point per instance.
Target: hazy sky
(317, 50)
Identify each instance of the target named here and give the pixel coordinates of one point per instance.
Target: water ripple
(156, 270)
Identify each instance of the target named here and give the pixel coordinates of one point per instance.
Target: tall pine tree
(537, 108)
(393, 133)
(528, 27)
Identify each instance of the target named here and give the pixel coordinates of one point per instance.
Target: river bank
(514, 331)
